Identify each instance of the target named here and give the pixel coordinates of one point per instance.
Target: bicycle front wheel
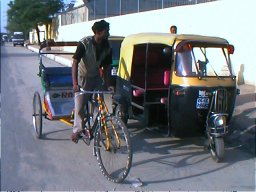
(115, 162)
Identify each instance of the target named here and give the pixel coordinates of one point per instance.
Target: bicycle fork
(103, 120)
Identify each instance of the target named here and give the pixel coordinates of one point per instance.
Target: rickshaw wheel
(37, 115)
(217, 149)
(122, 113)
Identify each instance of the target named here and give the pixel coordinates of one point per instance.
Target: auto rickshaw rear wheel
(121, 111)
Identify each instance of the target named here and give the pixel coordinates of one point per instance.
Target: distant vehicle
(4, 38)
(18, 38)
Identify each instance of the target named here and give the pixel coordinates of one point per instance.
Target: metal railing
(97, 9)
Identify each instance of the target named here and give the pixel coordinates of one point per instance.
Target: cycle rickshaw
(112, 144)
(184, 83)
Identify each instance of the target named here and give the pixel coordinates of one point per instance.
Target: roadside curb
(58, 59)
(34, 49)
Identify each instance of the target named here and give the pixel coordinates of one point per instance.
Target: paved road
(55, 163)
(243, 125)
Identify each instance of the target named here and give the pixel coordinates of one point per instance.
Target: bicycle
(112, 143)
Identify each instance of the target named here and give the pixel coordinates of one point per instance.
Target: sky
(4, 8)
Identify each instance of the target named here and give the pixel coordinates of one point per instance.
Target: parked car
(4, 38)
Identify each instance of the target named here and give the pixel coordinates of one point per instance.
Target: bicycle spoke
(115, 163)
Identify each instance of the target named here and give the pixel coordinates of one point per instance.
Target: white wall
(230, 19)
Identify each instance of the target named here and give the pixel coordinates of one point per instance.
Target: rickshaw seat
(159, 79)
(58, 76)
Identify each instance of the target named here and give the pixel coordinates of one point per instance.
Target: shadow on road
(243, 125)
(182, 154)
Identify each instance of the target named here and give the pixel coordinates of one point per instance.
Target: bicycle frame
(100, 118)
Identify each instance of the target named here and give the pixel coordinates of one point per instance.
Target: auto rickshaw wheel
(121, 111)
(37, 115)
(217, 148)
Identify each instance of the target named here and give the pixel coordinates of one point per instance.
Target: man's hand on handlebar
(76, 88)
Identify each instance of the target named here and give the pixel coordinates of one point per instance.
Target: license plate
(114, 71)
(202, 103)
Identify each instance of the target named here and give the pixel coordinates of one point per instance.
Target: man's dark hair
(100, 26)
(173, 26)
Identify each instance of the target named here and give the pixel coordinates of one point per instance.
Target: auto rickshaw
(184, 83)
(115, 44)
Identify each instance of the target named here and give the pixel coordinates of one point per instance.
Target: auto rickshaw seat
(137, 93)
(158, 77)
(167, 74)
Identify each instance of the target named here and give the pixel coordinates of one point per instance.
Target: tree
(15, 20)
(25, 15)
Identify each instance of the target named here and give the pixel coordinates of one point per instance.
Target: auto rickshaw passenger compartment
(149, 69)
(148, 78)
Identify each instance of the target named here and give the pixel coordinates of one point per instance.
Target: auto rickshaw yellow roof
(169, 39)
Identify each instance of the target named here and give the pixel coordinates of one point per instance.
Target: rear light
(231, 49)
(179, 92)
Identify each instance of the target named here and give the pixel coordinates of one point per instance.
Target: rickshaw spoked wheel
(37, 115)
(121, 111)
(217, 148)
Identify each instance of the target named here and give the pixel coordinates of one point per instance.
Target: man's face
(104, 34)
(173, 30)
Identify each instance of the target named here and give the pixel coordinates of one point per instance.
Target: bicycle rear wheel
(116, 162)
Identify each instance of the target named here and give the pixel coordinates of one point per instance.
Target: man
(173, 29)
(92, 57)
(184, 61)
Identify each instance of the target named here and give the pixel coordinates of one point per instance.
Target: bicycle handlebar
(82, 91)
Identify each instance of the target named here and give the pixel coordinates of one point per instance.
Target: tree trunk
(38, 35)
(46, 28)
(50, 31)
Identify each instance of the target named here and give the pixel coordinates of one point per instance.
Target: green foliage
(25, 15)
